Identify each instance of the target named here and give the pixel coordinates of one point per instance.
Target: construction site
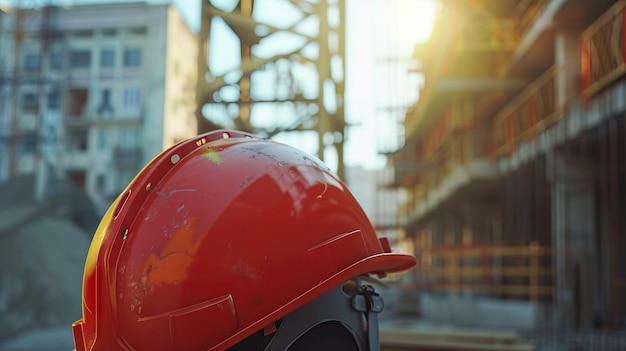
(503, 137)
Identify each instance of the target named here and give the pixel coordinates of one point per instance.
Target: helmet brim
(374, 264)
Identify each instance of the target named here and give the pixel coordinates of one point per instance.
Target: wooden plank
(410, 339)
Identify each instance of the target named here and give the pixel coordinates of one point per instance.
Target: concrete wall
(181, 70)
(574, 241)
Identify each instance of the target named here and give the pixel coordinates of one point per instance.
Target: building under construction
(515, 160)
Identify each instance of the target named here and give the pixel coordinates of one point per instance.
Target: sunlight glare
(425, 16)
(409, 23)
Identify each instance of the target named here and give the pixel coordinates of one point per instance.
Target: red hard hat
(215, 239)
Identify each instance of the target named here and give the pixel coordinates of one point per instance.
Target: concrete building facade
(517, 146)
(94, 92)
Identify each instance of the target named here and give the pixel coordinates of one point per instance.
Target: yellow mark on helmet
(98, 237)
(213, 156)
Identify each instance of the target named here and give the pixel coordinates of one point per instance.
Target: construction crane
(287, 71)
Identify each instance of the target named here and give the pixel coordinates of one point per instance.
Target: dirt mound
(62, 199)
(43, 246)
(41, 267)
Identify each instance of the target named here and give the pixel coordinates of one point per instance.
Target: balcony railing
(604, 50)
(514, 271)
(127, 156)
(528, 114)
(80, 121)
(436, 138)
(456, 117)
(89, 118)
(76, 159)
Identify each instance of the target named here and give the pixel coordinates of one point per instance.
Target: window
(55, 60)
(77, 177)
(132, 98)
(30, 102)
(110, 32)
(77, 141)
(75, 101)
(32, 62)
(26, 144)
(101, 182)
(80, 59)
(103, 139)
(87, 33)
(107, 58)
(128, 138)
(132, 57)
(138, 31)
(54, 100)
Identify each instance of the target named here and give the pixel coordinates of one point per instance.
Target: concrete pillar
(567, 59)
(573, 240)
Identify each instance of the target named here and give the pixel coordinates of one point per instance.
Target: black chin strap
(357, 312)
(371, 304)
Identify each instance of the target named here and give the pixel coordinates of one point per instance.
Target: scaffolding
(25, 115)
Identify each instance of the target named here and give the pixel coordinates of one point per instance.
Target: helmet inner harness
(345, 318)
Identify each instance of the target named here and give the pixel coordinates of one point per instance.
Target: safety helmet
(222, 236)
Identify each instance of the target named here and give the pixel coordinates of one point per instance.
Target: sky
(376, 87)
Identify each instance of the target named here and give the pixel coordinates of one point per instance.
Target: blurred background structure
(514, 162)
(497, 129)
(92, 92)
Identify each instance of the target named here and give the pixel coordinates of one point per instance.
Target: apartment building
(517, 150)
(94, 92)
